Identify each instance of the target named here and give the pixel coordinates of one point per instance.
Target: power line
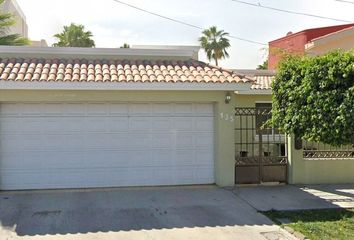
(344, 1)
(184, 23)
(292, 12)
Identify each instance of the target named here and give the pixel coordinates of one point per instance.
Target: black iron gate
(260, 150)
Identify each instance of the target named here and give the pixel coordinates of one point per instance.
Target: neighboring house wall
(195, 49)
(294, 43)
(21, 26)
(343, 40)
(224, 134)
(324, 171)
(40, 43)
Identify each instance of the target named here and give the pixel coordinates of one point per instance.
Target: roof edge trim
(29, 85)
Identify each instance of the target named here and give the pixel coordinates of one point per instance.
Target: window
(263, 114)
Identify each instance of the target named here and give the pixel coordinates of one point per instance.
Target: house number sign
(227, 117)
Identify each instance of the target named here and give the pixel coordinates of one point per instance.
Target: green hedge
(313, 97)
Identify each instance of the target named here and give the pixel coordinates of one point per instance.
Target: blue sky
(113, 24)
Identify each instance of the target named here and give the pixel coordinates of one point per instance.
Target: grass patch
(318, 224)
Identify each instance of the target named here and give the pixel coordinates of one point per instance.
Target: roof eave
(29, 85)
(255, 92)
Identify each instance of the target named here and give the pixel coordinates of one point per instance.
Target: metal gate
(260, 150)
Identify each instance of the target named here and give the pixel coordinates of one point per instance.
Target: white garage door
(75, 145)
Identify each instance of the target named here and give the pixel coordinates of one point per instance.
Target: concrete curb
(296, 234)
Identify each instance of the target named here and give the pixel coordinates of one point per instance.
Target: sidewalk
(297, 197)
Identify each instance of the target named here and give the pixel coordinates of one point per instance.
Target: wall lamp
(227, 98)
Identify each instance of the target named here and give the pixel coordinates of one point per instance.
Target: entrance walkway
(298, 197)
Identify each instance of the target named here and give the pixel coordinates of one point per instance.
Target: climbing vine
(313, 97)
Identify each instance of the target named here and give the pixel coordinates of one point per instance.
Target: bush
(313, 97)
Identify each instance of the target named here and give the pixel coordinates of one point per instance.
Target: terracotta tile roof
(82, 70)
(262, 83)
(262, 78)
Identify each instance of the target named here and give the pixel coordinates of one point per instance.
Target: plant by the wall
(313, 97)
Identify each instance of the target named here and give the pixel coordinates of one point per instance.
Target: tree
(263, 66)
(215, 42)
(313, 98)
(125, 45)
(7, 20)
(74, 36)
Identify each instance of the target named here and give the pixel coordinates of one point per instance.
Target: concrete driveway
(204, 212)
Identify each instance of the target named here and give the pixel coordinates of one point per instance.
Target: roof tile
(39, 69)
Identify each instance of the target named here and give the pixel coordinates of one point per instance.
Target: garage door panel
(75, 109)
(140, 109)
(55, 142)
(203, 140)
(73, 145)
(8, 110)
(111, 159)
(183, 109)
(161, 140)
(118, 109)
(118, 141)
(160, 158)
(90, 124)
(9, 125)
(203, 157)
(30, 125)
(97, 109)
(53, 109)
(204, 124)
(9, 143)
(204, 109)
(184, 140)
(31, 109)
(183, 123)
(161, 124)
(117, 124)
(55, 125)
(162, 109)
(98, 178)
(140, 124)
(63, 142)
(185, 157)
(137, 140)
(30, 142)
(69, 124)
(204, 174)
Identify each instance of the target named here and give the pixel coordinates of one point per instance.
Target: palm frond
(215, 42)
(14, 40)
(7, 20)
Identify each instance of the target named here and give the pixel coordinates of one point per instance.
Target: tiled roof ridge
(231, 72)
(114, 70)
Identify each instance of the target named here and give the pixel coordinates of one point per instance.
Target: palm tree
(125, 45)
(74, 36)
(7, 20)
(263, 66)
(215, 42)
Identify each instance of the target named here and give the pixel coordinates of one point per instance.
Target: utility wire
(182, 22)
(344, 1)
(292, 12)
